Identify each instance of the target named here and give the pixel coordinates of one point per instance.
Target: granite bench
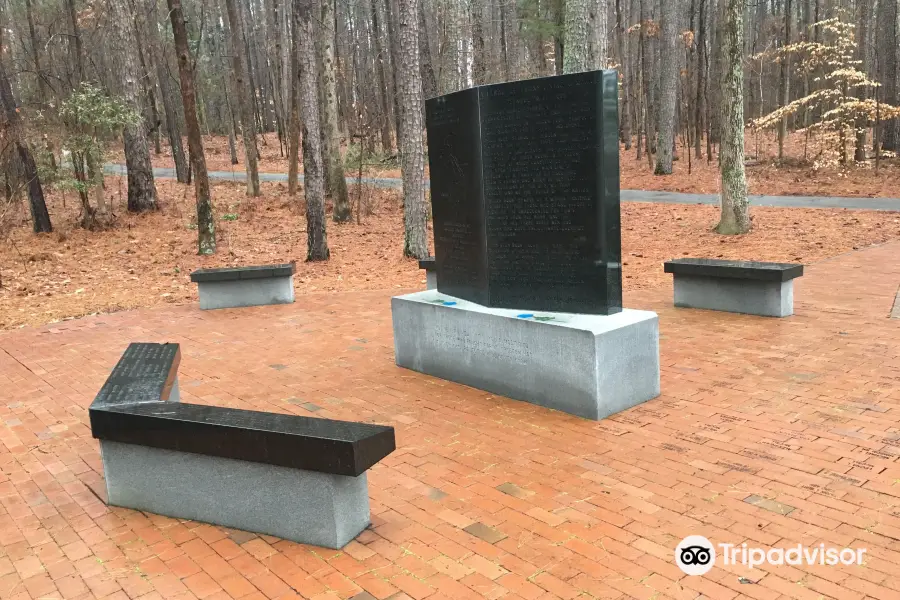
(430, 266)
(753, 288)
(297, 478)
(233, 287)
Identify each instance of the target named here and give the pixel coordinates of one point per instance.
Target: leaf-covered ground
(793, 177)
(146, 260)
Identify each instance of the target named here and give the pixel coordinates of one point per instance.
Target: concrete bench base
(747, 296)
(430, 266)
(591, 366)
(246, 292)
(309, 507)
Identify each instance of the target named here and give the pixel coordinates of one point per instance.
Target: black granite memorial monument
(525, 193)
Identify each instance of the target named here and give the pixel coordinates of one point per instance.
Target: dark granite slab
(429, 264)
(144, 373)
(734, 269)
(131, 409)
(525, 193)
(238, 273)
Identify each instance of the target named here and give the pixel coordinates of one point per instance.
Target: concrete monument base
(591, 366)
(303, 506)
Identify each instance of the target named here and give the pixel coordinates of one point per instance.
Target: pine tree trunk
(622, 52)
(141, 186)
(394, 48)
(40, 218)
(863, 56)
(149, 89)
(245, 97)
(227, 84)
(169, 105)
(785, 90)
(206, 223)
(668, 86)
(313, 169)
(334, 165)
(294, 122)
(273, 54)
(509, 14)
(429, 82)
(889, 68)
(36, 55)
(735, 217)
(479, 59)
(75, 52)
(702, 66)
(599, 41)
(381, 72)
(412, 147)
(576, 56)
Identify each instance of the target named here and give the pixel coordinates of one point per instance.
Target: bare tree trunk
(334, 165)
(147, 85)
(294, 126)
(647, 86)
(75, 51)
(785, 95)
(384, 95)
(95, 172)
(206, 223)
(141, 186)
(40, 218)
(668, 86)
(889, 68)
(863, 55)
(245, 97)
(273, 55)
(36, 55)
(576, 52)
(702, 66)
(735, 217)
(412, 147)
(624, 59)
(394, 45)
(313, 170)
(169, 107)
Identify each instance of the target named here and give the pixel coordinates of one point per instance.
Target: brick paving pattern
(768, 431)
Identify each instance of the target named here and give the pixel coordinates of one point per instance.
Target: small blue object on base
(525, 316)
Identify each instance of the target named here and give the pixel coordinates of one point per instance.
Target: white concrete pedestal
(591, 366)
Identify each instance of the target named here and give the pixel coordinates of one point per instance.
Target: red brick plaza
(772, 432)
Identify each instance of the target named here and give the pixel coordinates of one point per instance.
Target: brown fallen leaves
(147, 260)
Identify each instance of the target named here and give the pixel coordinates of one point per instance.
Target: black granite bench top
(429, 264)
(734, 269)
(237, 273)
(131, 408)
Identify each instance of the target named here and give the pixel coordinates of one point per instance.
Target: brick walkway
(768, 431)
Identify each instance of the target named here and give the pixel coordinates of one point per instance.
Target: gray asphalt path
(889, 204)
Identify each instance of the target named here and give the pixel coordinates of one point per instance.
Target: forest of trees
(326, 74)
